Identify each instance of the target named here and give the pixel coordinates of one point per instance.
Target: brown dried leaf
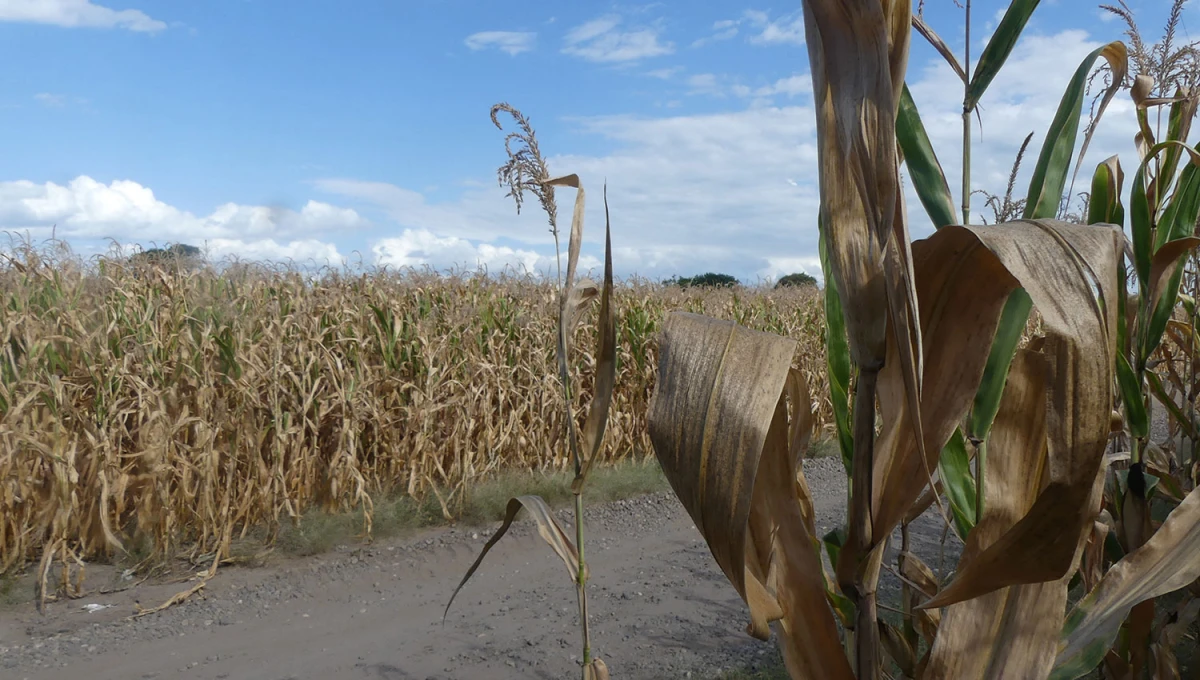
(940, 45)
(606, 363)
(1169, 560)
(855, 99)
(1070, 272)
(1008, 632)
(1162, 265)
(548, 528)
(898, 648)
(596, 670)
(718, 421)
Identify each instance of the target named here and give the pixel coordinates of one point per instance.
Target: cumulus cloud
(509, 42)
(418, 248)
(124, 210)
(686, 194)
(722, 30)
(604, 40)
(733, 192)
(785, 30)
(77, 13)
(778, 267)
(737, 191)
(724, 86)
(1022, 99)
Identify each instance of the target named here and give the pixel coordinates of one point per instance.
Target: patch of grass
(773, 672)
(320, 532)
(16, 588)
(823, 447)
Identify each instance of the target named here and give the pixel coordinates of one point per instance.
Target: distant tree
(796, 280)
(708, 280)
(179, 255)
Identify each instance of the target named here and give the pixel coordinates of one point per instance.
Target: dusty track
(660, 609)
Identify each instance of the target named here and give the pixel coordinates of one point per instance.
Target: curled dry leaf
(1010, 632)
(1163, 265)
(1070, 272)
(1168, 561)
(856, 115)
(596, 670)
(940, 45)
(549, 529)
(719, 425)
(606, 363)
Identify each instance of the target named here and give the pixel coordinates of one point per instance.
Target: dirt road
(660, 609)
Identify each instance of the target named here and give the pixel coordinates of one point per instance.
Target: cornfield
(181, 408)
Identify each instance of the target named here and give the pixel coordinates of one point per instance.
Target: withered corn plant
(932, 343)
(526, 171)
(1165, 203)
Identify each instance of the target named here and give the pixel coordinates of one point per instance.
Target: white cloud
(664, 73)
(509, 42)
(790, 86)
(298, 251)
(53, 101)
(601, 40)
(723, 86)
(687, 194)
(778, 267)
(85, 209)
(77, 13)
(786, 30)
(722, 30)
(1022, 99)
(704, 83)
(418, 248)
(731, 192)
(737, 191)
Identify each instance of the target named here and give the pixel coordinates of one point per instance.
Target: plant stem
(910, 631)
(966, 120)
(862, 592)
(980, 478)
(581, 584)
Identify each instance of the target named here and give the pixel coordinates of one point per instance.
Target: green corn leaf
(1054, 163)
(833, 541)
(1105, 205)
(1162, 313)
(1178, 126)
(998, 48)
(837, 355)
(995, 372)
(1141, 226)
(1131, 396)
(1178, 223)
(922, 163)
(1045, 192)
(954, 469)
(1179, 217)
(1188, 302)
(1123, 344)
(1160, 392)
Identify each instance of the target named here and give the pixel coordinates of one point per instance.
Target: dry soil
(660, 608)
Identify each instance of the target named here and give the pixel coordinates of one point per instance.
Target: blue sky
(332, 131)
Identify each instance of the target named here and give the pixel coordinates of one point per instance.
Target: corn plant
(176, 443)
(526, 171)
(932, 330)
